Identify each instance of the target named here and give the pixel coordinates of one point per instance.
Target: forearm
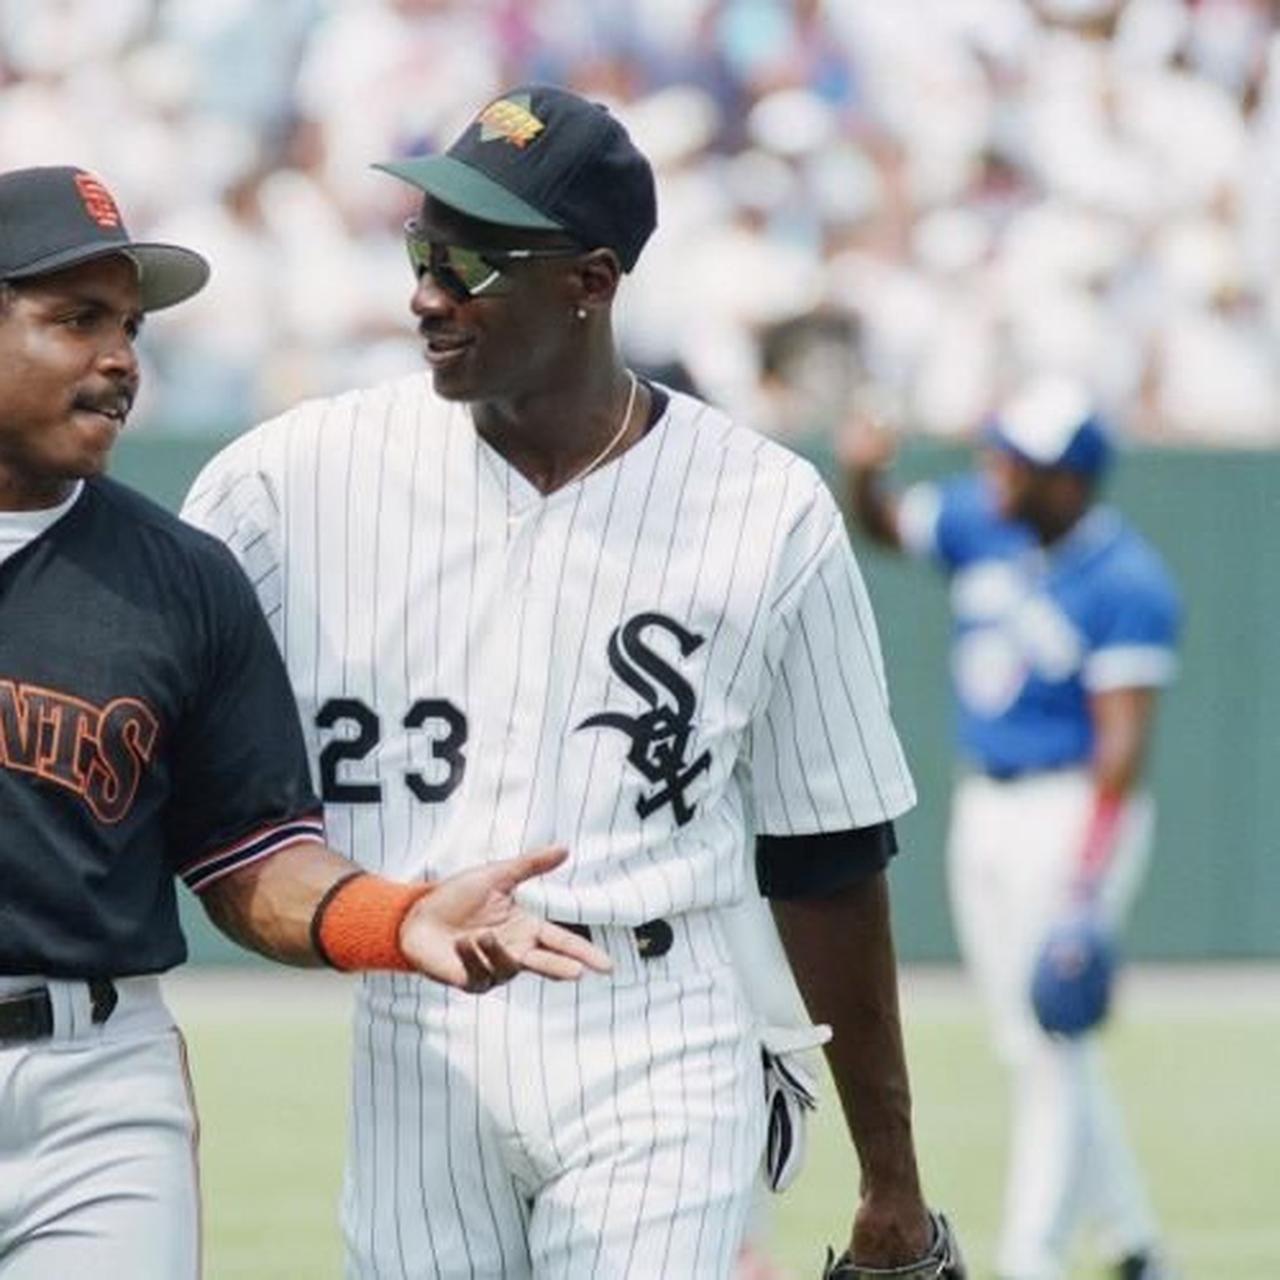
(269, 906)
(1121, 720)
(841, 952)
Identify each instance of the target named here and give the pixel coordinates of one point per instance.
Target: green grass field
(1195, 1057)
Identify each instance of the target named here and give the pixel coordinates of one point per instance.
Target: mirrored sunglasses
(468, 273)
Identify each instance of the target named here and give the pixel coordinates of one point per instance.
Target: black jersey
(147, 730)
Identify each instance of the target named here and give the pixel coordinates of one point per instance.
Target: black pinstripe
(653, 1129)
(785, 682)
(870, 652)
(711, 1146)
(646, 911)
(409, 613)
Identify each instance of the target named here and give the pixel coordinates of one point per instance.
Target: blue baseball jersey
(1036, 630)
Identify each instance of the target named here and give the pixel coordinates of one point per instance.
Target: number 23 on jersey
(358, 730)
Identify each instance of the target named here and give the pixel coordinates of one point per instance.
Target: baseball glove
(1073, 976)
(942, 1262)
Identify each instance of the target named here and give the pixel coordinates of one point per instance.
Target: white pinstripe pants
(611, 1128)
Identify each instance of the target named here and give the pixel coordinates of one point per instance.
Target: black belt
(653, 938)
(1005, 773)
(1016, 773)
(28, 1015)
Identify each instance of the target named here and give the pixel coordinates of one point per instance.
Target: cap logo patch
(510, 120)
(98, 203)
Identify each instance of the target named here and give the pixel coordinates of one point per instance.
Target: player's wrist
(357, 923)
(1098, 847)
(897, 1223)
(1084, 890)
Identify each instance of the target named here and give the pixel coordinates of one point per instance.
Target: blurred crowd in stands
(899, 205)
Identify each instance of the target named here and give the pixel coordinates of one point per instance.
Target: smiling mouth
(440, 349)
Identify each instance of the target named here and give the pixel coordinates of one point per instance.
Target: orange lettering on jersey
(511, 120)
(19, 729)
(99, 753)
(98, 203)
(127, 733)
(69, 735)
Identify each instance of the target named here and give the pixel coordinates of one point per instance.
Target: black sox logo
(660, 736)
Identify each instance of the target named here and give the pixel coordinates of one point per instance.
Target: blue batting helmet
(1053, 422)
(1072, 979)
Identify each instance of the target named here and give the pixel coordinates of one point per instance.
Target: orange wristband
(357, 923)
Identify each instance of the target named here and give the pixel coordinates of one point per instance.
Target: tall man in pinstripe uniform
(532, 597)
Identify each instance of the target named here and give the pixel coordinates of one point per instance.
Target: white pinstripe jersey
(648, 665)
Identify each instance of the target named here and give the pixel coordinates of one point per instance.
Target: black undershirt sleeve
(816, 866)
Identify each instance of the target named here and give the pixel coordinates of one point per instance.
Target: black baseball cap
(543, 158)
(58, 216)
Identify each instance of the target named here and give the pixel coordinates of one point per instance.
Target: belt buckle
(653, 938)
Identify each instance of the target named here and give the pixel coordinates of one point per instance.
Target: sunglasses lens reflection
(463, 272)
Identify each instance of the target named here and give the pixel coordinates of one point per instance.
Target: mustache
(430, 328)
(114, 402)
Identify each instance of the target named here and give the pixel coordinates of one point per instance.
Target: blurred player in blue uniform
(1064, 629)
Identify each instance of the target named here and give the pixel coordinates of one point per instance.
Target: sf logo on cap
(97, 199)
(511, 120)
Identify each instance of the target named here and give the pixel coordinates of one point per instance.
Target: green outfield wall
(1213, 890)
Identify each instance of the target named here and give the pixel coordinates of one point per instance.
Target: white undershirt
(17, 528)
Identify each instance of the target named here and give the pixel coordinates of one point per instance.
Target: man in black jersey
(148, 731)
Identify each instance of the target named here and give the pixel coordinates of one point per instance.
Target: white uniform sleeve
(919, 509)
(233, 499)
(825, 755)
(1132, 641)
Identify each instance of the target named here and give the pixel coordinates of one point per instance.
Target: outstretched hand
(863, 442)
(469, 932)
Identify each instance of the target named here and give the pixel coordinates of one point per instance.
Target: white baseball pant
(98, 1130)
(1011, 855)
(610, 1128)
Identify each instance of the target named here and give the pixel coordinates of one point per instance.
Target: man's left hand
(938, 1258)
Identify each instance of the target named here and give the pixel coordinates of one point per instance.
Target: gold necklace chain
(613, 442)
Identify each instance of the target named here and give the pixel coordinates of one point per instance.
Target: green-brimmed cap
(543, 158)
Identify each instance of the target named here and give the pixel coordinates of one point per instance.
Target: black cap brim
(167, 273)
(469, 191)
